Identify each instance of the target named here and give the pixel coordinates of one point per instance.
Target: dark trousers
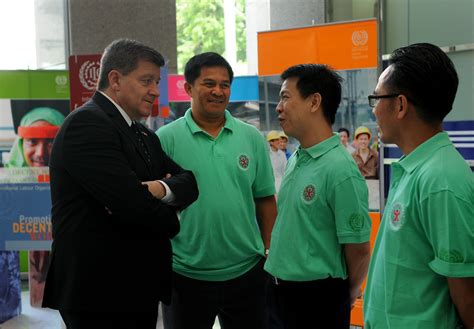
(239, 303)
(319, 304)
(109, 320)
(273, 316)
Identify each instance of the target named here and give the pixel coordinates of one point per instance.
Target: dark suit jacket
(111, 238)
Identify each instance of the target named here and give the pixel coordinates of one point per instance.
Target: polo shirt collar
(320, 149)
(419, 155)
(229, 122)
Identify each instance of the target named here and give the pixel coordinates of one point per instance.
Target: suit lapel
(117, 119)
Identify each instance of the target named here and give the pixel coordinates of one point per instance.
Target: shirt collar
(229, 122)
(120, 109)
(419, 155)
(371, 153)
(323, 147)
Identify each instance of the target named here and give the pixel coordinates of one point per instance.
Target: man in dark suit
(111, 216)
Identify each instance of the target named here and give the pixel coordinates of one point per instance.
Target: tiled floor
(44, 318)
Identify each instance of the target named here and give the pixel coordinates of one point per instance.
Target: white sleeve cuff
(169, 195)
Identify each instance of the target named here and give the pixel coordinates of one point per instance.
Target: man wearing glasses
(422, 270)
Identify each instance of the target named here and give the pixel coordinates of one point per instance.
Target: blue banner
(25, 215)
(10, 285)
(244, 89)
(163, 99)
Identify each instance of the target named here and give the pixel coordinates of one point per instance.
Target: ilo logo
(360, 38)
(89, 74)
(61, 80)
(180, 84)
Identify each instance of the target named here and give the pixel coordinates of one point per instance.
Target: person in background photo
(277, 157)
(36, 132)
(320, 243)
(422, 269)
(366, 158)
(32, 148)
(284, 144)
(219, 254)
(344, 135)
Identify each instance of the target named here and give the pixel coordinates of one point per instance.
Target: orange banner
(357, 313)
(342, 46)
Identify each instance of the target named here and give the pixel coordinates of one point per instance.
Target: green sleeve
(349, 202)
(448, 222)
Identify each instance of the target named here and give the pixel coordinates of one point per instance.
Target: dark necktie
(141, 143)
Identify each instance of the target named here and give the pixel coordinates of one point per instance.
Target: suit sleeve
(93, 155)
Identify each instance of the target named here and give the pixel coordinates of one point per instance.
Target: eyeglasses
(374, 99)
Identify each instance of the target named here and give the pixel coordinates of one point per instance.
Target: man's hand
(156, 188)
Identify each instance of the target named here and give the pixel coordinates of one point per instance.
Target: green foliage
(240, 30)
(200, 28)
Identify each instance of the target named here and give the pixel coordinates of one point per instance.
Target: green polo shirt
(322, 204)
(426, 235)
(219, 238)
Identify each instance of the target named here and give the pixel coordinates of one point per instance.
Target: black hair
(193, 67)
(345, 130)
(427, 77)
(123, 55)
(318, 78)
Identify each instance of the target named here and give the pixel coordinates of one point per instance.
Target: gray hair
(123, 55)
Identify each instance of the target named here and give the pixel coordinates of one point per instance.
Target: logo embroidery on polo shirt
(309, 193)
(356, 221)
(451, 256)
(243, 161)
(397, 216)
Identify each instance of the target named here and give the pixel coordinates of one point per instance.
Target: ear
(188, 88)
(315, 101)
(402, 107)
(114, 79)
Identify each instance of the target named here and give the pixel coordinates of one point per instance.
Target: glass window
(32, 34)
(348, 10)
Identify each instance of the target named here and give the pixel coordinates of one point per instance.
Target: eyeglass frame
(374, 99)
